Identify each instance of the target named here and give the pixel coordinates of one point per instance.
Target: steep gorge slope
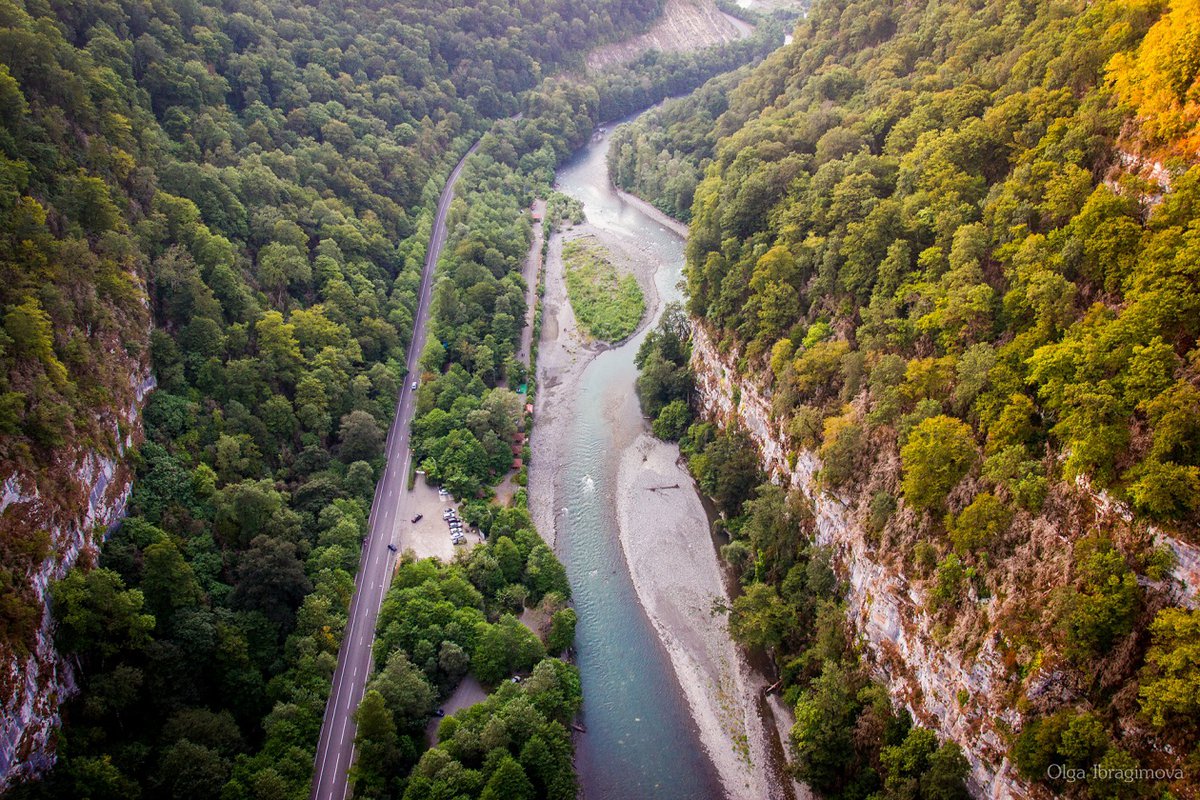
(232, 198)
(685, 25)
(942, 282)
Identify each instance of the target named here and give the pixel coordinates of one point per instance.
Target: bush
(949, 586)
(505, 648)
(844, 444)
(608, 304)
(978, 525)
(562, 631)
(1101, 608)
(1170, 691)
(939, 453)
(1069, 739)
(672, 421)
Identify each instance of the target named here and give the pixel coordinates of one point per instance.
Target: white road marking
(381, 529)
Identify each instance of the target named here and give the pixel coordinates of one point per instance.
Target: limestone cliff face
(77, 501)
(954, 683)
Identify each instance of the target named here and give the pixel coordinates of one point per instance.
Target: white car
(414, 386)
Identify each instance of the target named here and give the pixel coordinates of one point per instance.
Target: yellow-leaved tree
(1161, 80)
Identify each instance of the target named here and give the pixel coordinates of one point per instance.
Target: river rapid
(641, 740)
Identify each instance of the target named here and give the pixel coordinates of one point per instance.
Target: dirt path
(530, 273)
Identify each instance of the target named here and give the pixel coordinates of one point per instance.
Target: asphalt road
(335, 749)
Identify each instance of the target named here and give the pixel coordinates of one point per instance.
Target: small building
(517, 464)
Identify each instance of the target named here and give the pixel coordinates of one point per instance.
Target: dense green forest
(441, 622)
(937, 239)
(663, 154)
(238, 199)
(467, 408)
(606, 300)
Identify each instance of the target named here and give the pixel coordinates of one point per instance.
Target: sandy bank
(658, 560)
(664, 534)
(563, 355)
(670, 223)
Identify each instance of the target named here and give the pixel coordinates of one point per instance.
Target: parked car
(418, 518)
(392, 547)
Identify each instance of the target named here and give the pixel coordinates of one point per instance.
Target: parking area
(431, 535)
(467, 693)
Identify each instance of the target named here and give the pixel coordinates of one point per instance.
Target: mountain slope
(942, 282)
(235, 200)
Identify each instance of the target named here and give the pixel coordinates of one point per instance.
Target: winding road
(335, 748)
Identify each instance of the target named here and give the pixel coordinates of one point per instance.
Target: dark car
(418, 517)
(392, 547)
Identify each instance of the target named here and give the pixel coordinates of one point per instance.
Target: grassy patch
(608, 304)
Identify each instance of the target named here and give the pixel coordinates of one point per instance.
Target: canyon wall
(77, 502)
(964, 693)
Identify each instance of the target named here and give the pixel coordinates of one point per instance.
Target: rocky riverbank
(564, 352)
(665, 536)
(664, 533)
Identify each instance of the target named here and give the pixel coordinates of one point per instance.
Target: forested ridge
(238, 198)
(953, 245)
(235, 199)
(662, 156)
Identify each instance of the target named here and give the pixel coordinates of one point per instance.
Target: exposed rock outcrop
(90, 492)
(885, 610)
(964, 693)
(685, 26)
